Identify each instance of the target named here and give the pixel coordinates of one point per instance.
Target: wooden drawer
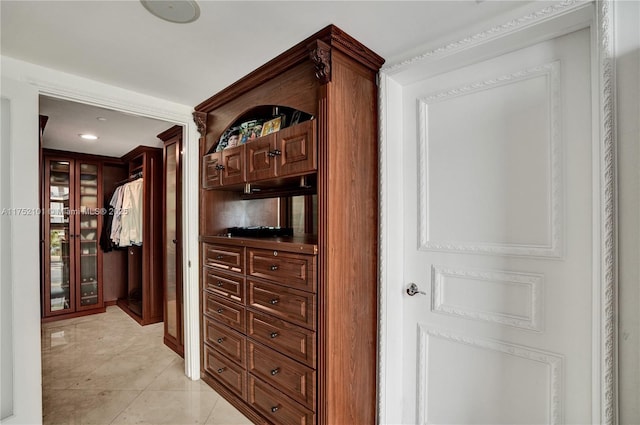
(223, 257)
(295, 306)
(223, 284)
(227, 341)
(294, 270)
(227, 312)
(292, 378)
(291, 340)
(275, 406)
(225, 371)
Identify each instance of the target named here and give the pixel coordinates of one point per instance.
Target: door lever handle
(413, 289)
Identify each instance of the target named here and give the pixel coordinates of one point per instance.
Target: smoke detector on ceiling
(177, 11)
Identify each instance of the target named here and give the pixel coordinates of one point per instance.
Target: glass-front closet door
(59, 291)
(87, 235)
(172, 305)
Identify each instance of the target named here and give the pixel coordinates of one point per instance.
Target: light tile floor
(107, 369)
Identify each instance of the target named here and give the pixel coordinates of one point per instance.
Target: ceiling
(120, 43)
(117, 132)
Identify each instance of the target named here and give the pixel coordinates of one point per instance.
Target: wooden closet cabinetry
(289, 323)
(144, 293)
(72, 219)
(172, 238)
(288, 152)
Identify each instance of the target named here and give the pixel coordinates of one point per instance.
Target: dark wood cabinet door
(211, 170)
(260, 158)
(232, 166)
(297, 150)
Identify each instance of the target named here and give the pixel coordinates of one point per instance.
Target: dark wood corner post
(200, 118)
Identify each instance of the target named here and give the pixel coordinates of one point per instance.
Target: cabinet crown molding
(331, 35)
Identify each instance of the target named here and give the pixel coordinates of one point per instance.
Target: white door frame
(123, 101)
(530, 27)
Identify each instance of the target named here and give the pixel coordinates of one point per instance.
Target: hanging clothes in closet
(122, 226)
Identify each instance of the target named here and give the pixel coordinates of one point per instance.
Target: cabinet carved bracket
(320, 54)
(200, 119)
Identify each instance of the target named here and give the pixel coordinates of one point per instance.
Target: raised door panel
(233, 166)
(297, 147)
(211, 170)
(260, 156)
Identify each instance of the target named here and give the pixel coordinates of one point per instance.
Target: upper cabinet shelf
(290, 152)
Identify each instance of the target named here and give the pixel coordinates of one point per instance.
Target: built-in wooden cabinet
(288, 152)
(289, 323)
(72, 260)
(172, 238)
(143, 299)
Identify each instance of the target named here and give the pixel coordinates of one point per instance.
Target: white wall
(23, 146)
(628, 97)
(22, 83)
(6, 309)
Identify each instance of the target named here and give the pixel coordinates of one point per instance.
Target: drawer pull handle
(274, 409)
(274, 268)
(273, 334)
(220, 310)
(221, 370)
(219, 284)
(220, 340)
(274, 152)
(274, 301)
(275, 371)
(219, 257)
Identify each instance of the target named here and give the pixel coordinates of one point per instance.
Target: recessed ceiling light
(101, 119)
(177, 11)
(88, 136)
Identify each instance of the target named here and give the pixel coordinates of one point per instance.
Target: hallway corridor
(106, 369)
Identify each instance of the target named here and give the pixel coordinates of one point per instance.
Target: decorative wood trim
(552, 360)
(320, 54)
(200, 118)
(331, 35)
(174, 131)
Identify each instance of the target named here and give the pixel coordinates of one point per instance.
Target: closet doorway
(84, 270)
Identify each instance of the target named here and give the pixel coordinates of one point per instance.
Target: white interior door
(499, 234)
